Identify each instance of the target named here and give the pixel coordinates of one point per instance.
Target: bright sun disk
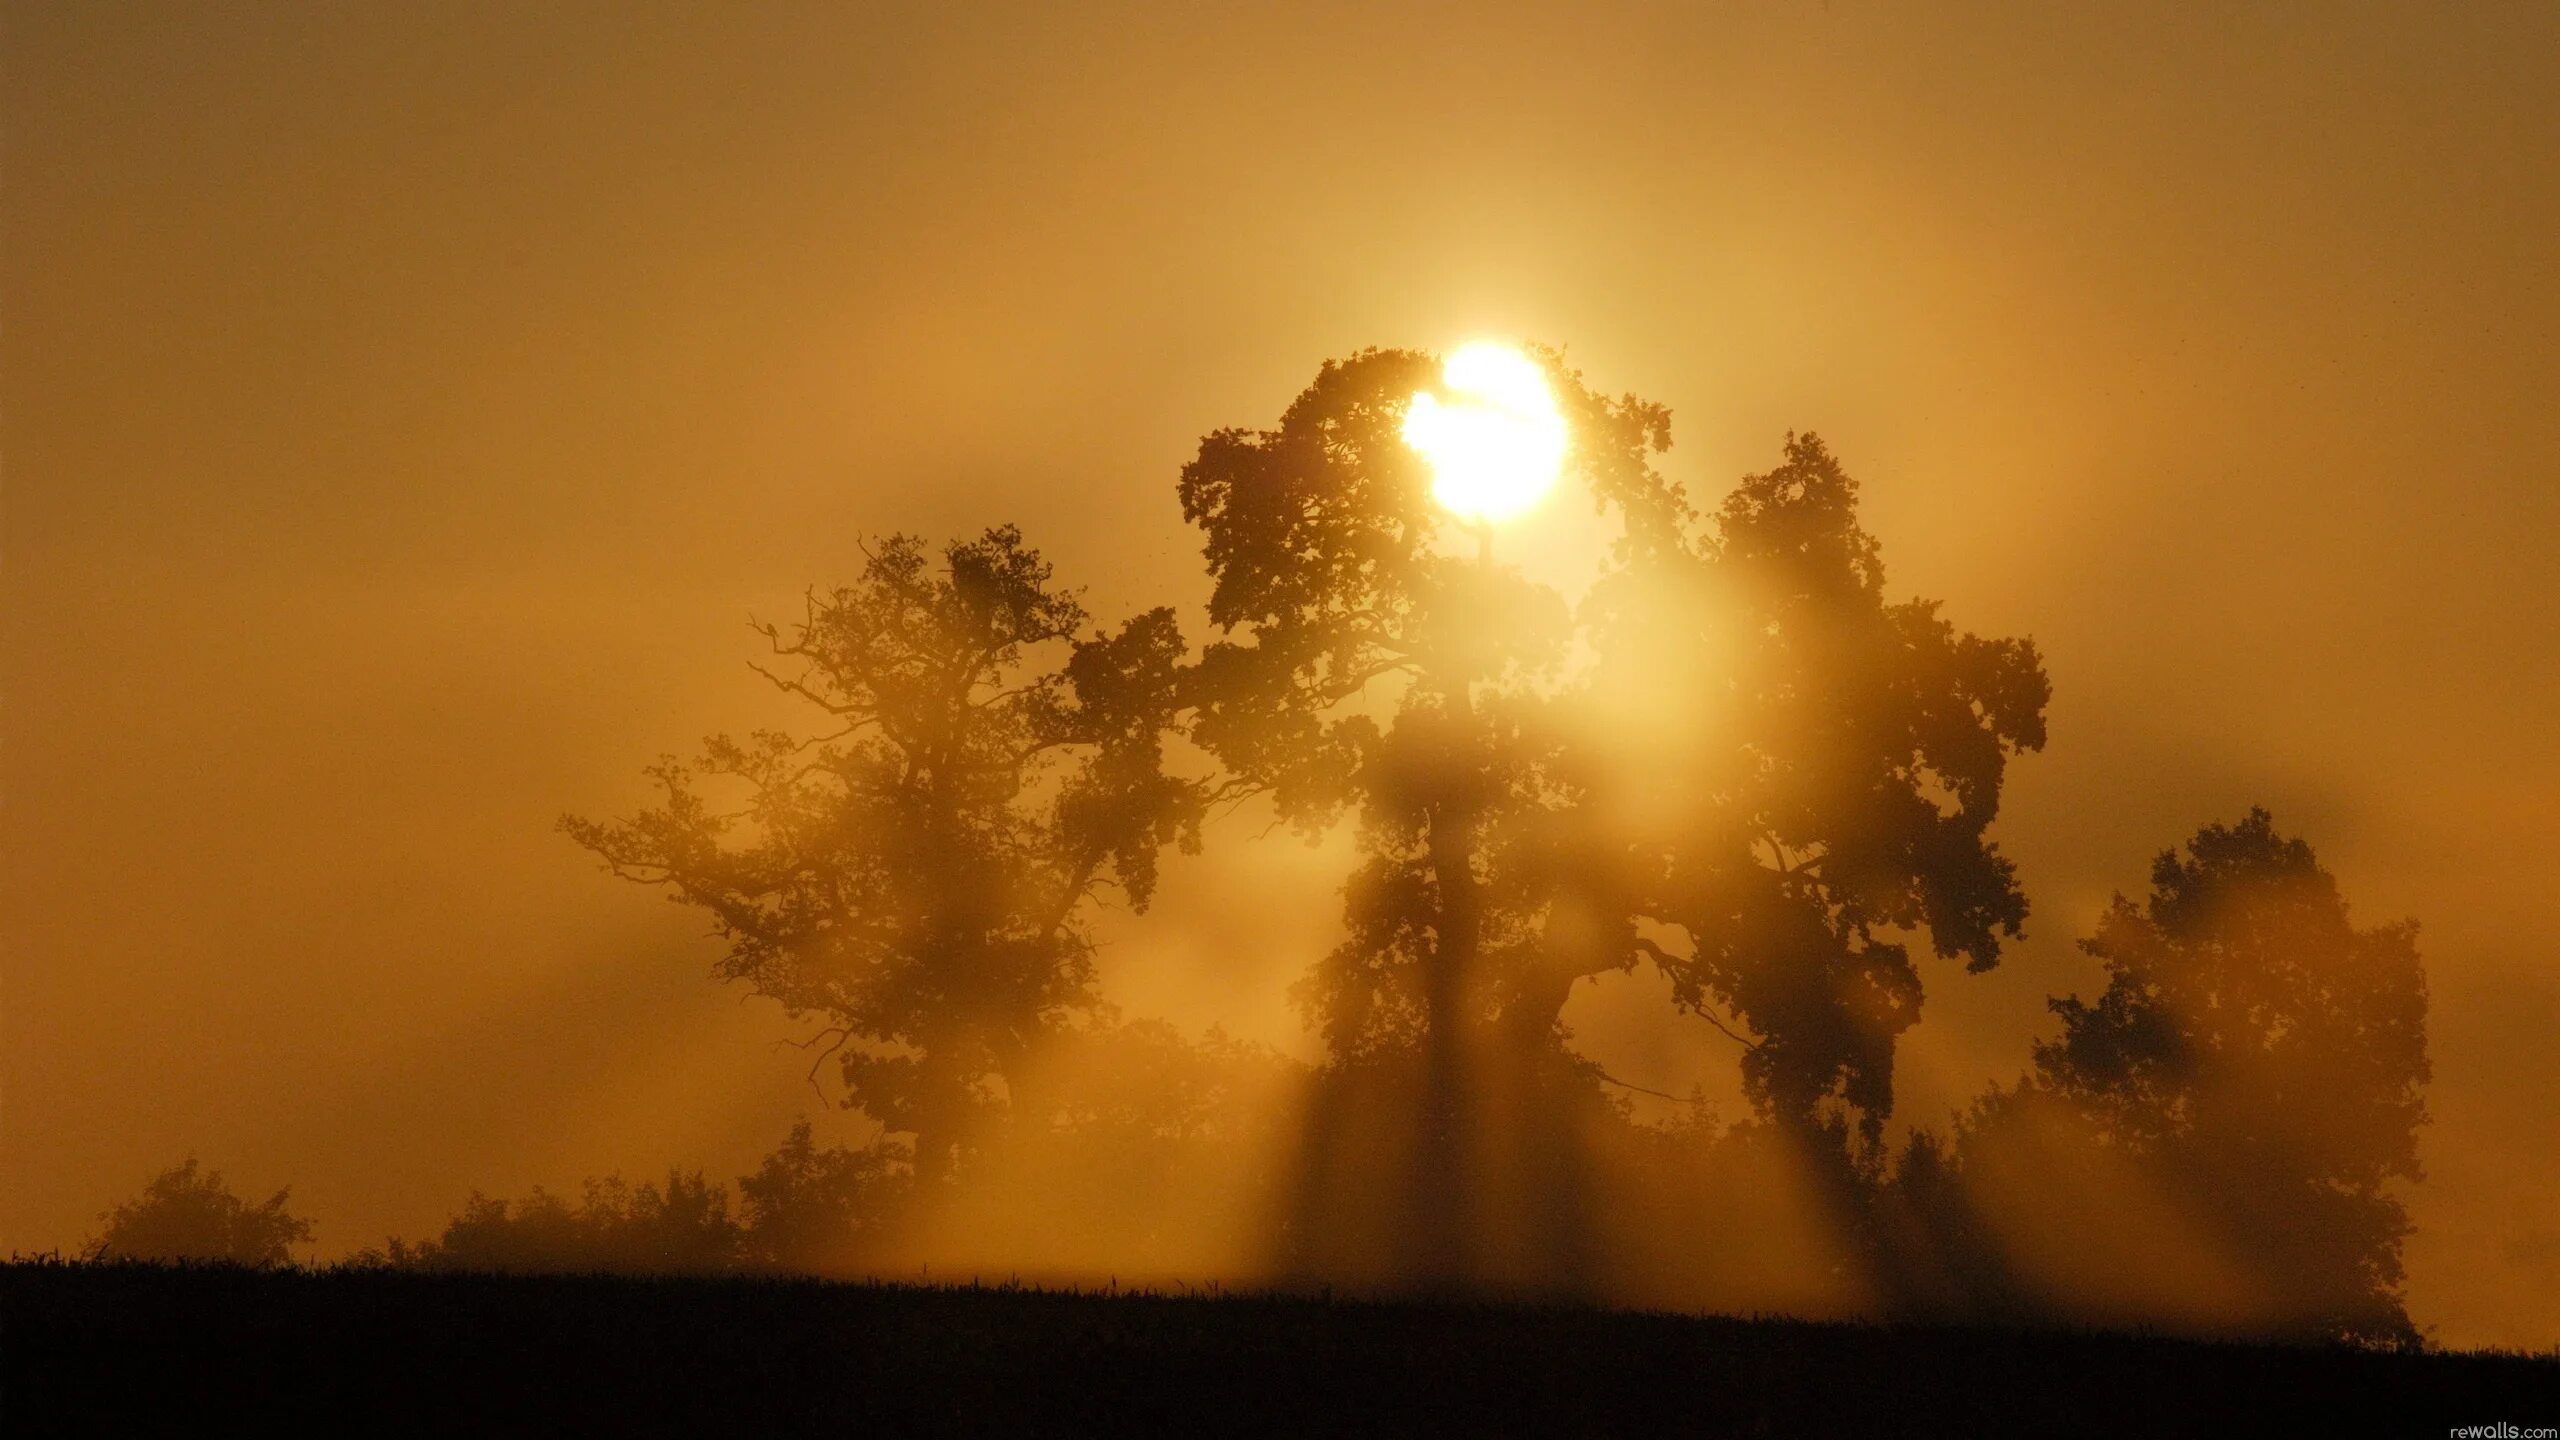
(1494, 436)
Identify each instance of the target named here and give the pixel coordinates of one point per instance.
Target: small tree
(2263, 1059)
(188, 1215)
(811, 1208)
(915, 875)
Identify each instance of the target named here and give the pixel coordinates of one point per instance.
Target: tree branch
(1641, 1090)
(843, 1037)
(1666, 961)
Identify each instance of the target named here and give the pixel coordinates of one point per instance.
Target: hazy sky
(405, 406)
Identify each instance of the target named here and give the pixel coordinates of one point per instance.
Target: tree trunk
(1442, 1230)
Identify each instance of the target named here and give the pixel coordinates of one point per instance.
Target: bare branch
(1641, 1090)
(801, 689)
(843, 1037)
(1667, 961)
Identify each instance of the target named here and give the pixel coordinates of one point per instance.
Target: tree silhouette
(188, 1215)
(682, 1228)
(1361, 666)
(2264, 1059)
(813, 1208)
(916, 875)
(1737, 760)
(1832, 789)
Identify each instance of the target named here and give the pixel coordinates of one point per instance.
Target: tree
(1360, 666)
(1737, 760)
(1837, 770)
(614, 1227)
(916, 876)
(189, 1215)
(2263, 1058)
(811, 1208)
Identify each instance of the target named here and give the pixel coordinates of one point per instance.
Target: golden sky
(403, 407)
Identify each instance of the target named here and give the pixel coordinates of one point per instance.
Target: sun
(1493, 434)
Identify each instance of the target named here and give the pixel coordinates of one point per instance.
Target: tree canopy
(2260, 1053)
(187, 1214)
(1838, 774)
(915, 875)
(1738, 759)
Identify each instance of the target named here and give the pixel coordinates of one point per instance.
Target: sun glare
(1493, 434)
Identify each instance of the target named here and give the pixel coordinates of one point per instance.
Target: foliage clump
(187, 1215)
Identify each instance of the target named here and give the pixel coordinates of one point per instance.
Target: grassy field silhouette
(139, 1349)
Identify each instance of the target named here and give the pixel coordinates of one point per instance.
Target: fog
(403, 412)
